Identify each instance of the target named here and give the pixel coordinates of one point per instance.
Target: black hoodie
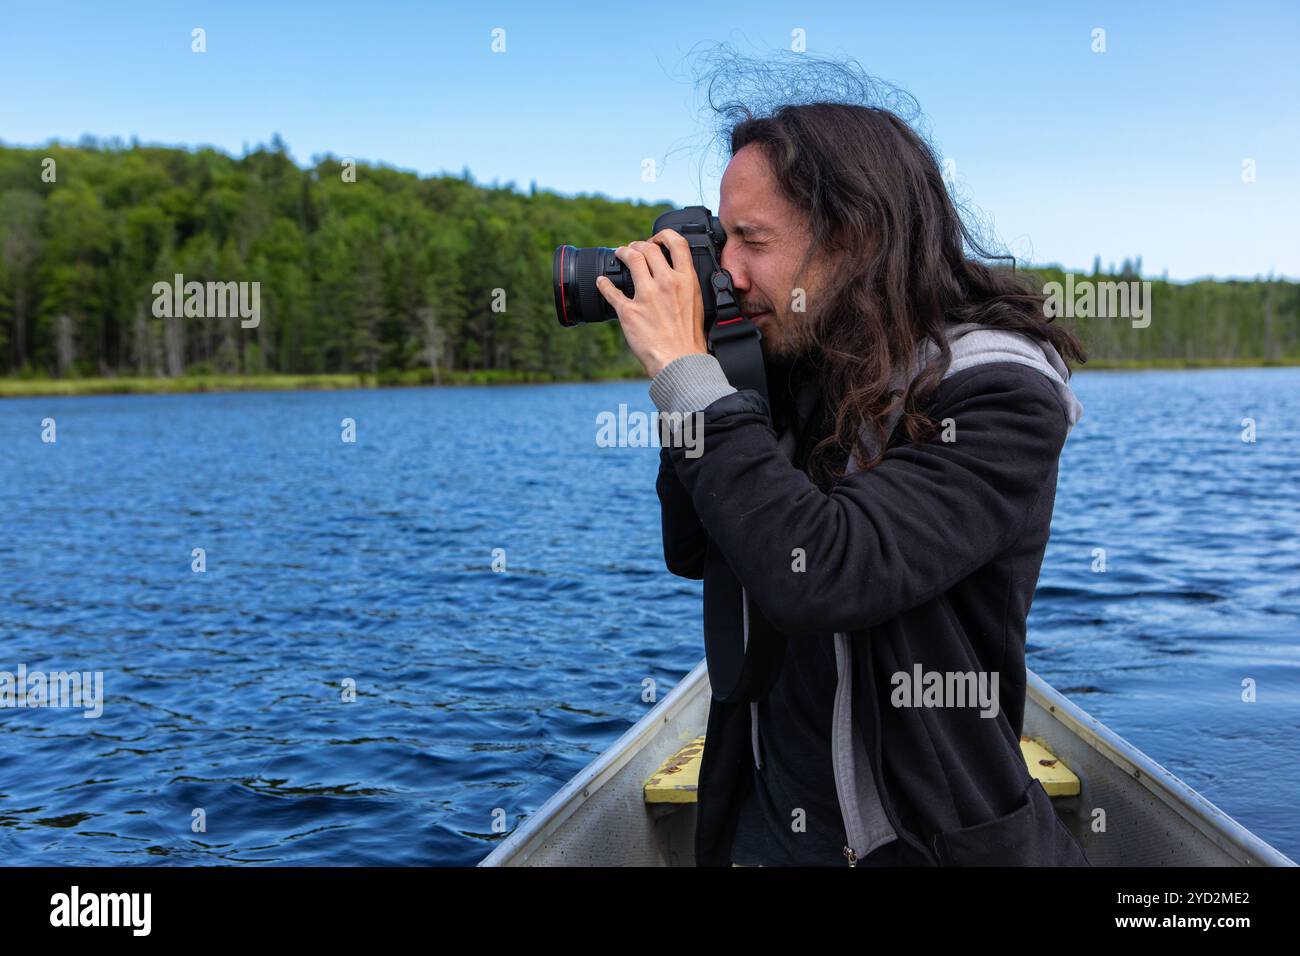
(927, 561)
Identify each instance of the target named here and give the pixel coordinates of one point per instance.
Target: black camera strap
(734, 340)
(744, 656)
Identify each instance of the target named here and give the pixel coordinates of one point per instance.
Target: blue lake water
(479, 693)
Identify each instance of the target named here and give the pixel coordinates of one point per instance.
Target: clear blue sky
(1067, 153)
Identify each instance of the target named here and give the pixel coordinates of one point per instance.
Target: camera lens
(573, 273)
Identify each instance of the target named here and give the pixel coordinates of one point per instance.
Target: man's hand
(665, 318)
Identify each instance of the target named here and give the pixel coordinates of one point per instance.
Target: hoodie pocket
(1030, 835)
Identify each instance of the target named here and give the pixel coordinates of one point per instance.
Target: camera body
(574, 270)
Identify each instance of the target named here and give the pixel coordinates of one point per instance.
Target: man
(890, 521)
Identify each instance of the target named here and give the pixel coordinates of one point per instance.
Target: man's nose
(733, 264)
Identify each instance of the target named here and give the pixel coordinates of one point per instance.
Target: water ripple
(350, 681)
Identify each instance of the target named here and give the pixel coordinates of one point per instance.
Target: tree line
(366, 268)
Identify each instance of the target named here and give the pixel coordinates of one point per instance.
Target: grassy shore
(33, 387)
(1138, 364)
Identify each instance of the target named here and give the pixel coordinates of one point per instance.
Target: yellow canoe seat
(678, 777)
(1048, 769)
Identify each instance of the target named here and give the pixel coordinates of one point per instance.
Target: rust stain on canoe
(675, 765)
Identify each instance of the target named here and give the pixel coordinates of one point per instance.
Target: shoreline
(195, 384)
(130, 385)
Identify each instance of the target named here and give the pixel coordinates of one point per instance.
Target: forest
(370, 270)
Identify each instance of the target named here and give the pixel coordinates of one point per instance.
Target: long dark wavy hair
(902, 262)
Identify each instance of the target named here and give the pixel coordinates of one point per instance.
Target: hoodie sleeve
(686, 385)
(885, 540)
(684, 536)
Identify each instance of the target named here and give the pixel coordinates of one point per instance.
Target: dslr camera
(574, 272)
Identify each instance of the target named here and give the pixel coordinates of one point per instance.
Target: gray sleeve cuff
(689, 383)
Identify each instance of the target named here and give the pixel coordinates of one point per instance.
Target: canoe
(634, 805)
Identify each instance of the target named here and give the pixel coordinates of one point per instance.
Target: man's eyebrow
(743, 229)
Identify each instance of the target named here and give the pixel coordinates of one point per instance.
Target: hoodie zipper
(753, 704)
(841, 711)
(844, 783)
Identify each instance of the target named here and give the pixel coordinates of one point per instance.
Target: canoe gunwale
(552, 814)
(1217, 826)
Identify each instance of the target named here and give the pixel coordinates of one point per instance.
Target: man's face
(766, 239)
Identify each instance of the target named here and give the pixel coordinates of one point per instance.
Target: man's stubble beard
(797, 337)
(792, 338)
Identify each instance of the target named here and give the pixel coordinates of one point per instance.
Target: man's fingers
(612, 293)
(678, 248)
(636, 265)
(654, 257)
